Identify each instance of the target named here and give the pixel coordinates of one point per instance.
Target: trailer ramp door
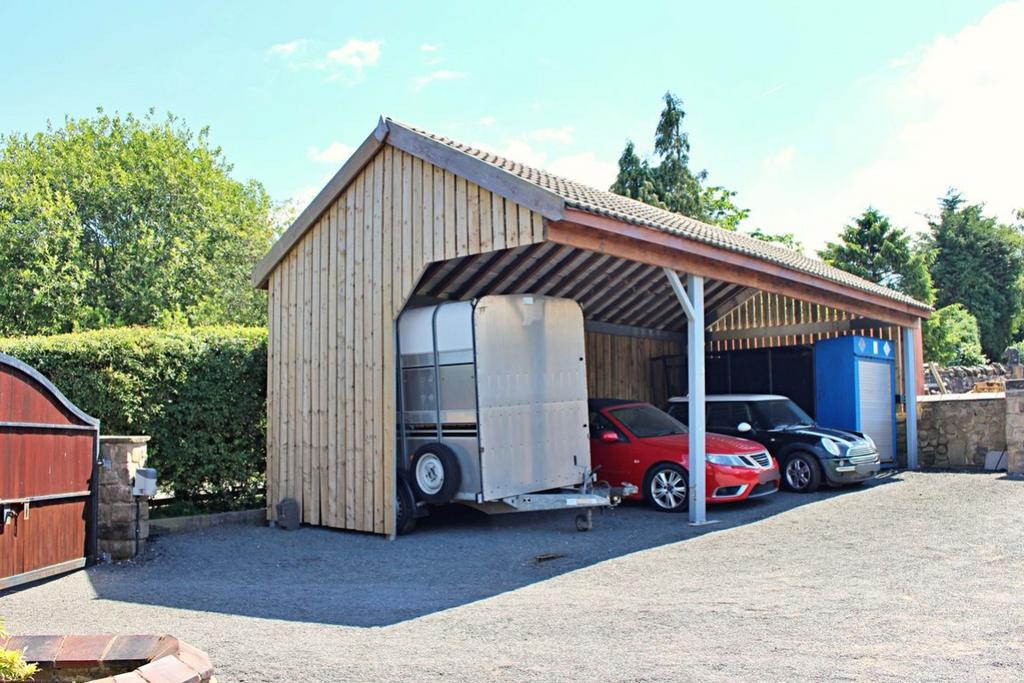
(532, 394)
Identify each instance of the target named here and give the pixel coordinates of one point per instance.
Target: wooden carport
(416, 218)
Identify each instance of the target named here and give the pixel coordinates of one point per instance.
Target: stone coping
(120, 659)
(107, 438)
(981, 396)
(171, 525)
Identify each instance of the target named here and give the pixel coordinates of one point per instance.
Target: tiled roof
(579, 196)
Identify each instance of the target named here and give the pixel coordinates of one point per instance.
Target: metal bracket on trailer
(531, 502)
(585, 499)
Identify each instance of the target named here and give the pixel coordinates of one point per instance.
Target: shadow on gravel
(455, 557)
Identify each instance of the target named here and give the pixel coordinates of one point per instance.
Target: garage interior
(413, 219)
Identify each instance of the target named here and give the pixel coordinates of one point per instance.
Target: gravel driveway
(920, 576)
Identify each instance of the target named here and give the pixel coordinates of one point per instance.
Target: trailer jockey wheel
(435, 473)
(585, 521)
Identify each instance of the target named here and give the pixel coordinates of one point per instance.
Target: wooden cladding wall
(620, 366)
(333, 301)
(767, 319)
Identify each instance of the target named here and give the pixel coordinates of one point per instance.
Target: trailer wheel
(584, 521)
(435, 473)
(405, 507)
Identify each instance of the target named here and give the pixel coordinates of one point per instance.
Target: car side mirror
(608, 436)
(744, 427)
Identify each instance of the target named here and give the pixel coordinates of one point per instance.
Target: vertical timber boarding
(620, 366)
(333, 301)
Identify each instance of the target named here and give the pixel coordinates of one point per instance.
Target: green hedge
(200, 394)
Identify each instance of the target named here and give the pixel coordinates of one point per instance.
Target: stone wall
(961, 379)
(958, 430)
(119, 511)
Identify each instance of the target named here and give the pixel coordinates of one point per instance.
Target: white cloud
(523, 152)
(357, 54)
(488, 121)
(439, 75)
(289, 209)
(284, 214)
(946, 115)
(781, 161)
(960, 109)
(563, 135)
(334, 153)
(429, 47)
(584, 168)
(286, 50)
(774, 89)
(346, 63)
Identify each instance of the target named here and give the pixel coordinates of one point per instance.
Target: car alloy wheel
(668, 489)
(798, 474)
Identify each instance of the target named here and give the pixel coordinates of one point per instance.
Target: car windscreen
(648, 421)
(780, 414)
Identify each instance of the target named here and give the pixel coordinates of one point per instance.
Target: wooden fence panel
(48, 478)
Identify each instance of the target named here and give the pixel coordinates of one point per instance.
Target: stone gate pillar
(123, 521)
(1015, 427)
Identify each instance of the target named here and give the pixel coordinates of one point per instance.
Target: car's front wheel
(802, 473)
(666, 487)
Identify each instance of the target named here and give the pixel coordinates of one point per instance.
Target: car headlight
(871, 442)
(727, 460)
(829, 445)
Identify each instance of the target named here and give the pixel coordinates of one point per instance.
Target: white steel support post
(910, 392)
(691, 298)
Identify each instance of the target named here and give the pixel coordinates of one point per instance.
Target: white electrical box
(145, 482)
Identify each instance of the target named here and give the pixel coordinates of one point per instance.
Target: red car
(640, 444)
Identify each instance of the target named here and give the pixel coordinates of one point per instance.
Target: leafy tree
(635, 179)
(671, 184)
(872, 248)
(42, 278)
(786, 239)
(114, 220)
(979, 263)
(951, 337)
(718, 207)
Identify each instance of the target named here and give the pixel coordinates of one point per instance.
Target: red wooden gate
(48, 478)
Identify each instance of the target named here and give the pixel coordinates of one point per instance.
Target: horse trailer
(493, 408)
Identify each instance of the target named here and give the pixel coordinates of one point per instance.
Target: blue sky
(809, 110)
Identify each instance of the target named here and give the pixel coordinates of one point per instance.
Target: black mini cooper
(808, 455)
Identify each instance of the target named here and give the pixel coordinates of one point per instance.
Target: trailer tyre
(405, 507)
(435, 473)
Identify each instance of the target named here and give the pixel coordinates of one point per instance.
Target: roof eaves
(849, 279)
